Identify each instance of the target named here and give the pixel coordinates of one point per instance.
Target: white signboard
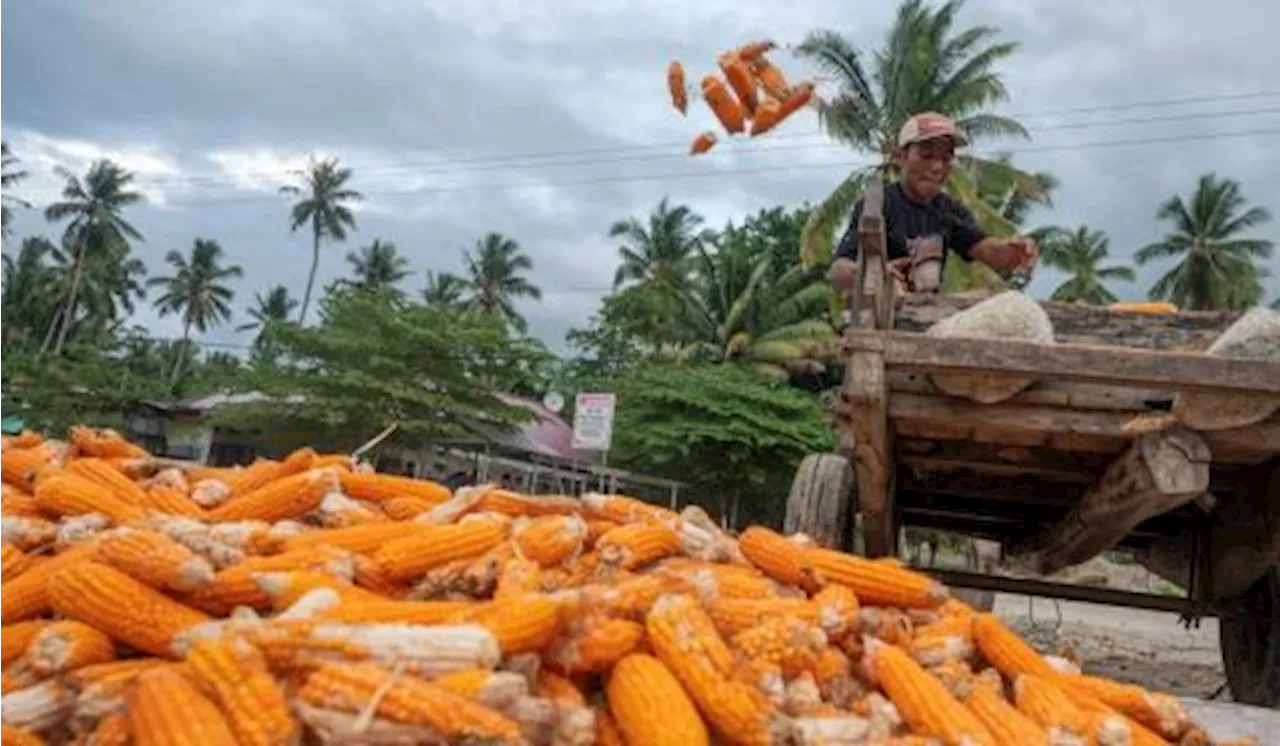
(593, 422)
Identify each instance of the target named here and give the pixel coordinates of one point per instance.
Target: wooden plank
(1066, 591)
(914, 413)
(1052, 393)
(1078, 323)
(1107, 365)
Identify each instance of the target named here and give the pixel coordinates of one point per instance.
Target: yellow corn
(734, 615)
(637, 544)
(875, 583)
(16, 638)
(791, 644)
(549, 540)
(15, 562)
(650, 706)
(1005, 650)
(111, 730)
(621, 509)
(1159, 712)
(405, 699)
(101, 473)
(522, 624)
(103, 443)
(405, 612)
(237, 585)
(12, 735)
(596, 643)
(162, 498)
(27, 595)
(383, 487)
(518, 577)
(924, 703)
(777, 557)
(278, 500)
(414, 555)
(365, 539)
(120, 606)
(68, 494)
(235, 676)
(166, 709)
(155, 559)
(406, 508)
(1007, 726)
(67, 645)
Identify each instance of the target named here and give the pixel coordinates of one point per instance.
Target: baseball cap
(927, 126)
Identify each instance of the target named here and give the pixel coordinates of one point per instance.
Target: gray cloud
(221, 96)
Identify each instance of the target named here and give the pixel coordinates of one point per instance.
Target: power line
(727, 172)
(479, 163)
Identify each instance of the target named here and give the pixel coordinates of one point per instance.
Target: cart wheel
(823, 500)
(1250, 635)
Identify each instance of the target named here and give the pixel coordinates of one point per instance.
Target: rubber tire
(1249, 632)
(823, 500)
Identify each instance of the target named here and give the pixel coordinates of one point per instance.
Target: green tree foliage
(924, 64)
(495, 280)
(376, 359)
(378, 265)
(276, 306)
(1080, 253)
(324, 205)
(1216, 265)
(444, 290)
(10, 176)
(196, 290)
(733, 434)
(96, 234)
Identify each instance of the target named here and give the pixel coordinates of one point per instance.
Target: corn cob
(15, 502)
(237, 586)
(922, 700)
(16, 638)
(284, 498)
(597, 528)
(403, 699)
(405, 508)
(103, 443)
(518, 577)
(875, 583)
(1042, 701)
(100, 689)
(166, 709)
(165, 499)
(785, 641)
(686, 642)
(154, 559)
(734, 615)
(12, 735)
(837, 611)
(1159, 712)
(551, 685)
(111, 730)
(24, 439)
(620, 509)
(15, 562)
(365, 539)
(73, 530)
(255, 476)
(235, 676)
(413, 555)
(637, 544)
(20, 466)
(67, 645)
(777, 557)
(125, 609)
(12, 682)
(27, 595)
(68, 494)
(430, 651)
(209, 493)
(521, 624)
(595, 644)
(649, 705)
(833, 674)
(548, 541)
(514, 504)
(1008, 726)
(383, 487)
(831, 730)
(1005, 650)
(101, 473)
(405, 612)
(287, 588)
(496, 689)
(368, 574)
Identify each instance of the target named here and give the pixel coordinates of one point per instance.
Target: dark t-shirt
(906, 220)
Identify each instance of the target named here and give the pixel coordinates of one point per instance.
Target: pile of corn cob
(311, 600)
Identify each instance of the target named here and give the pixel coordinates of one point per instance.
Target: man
(916, 209)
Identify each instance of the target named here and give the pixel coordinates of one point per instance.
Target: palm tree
(657, 255)
(494, 279)
(378, 265)
(93, 207)
(111, 283)
(274, 307)
(322, 199)
(744, 305)
(196, 290)
(444, 289)
(1216, 266)
(1079, 253)
(27, 302)
(924, 65)
(9, 178)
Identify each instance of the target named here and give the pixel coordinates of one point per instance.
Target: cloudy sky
(548, 120)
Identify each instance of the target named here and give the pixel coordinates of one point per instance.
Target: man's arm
(1001, 254)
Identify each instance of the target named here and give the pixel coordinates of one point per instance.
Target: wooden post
(865, 399)
(1159, 472)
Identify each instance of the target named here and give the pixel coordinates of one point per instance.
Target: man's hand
(1028, 253)
(1008, 255)
(843, 273)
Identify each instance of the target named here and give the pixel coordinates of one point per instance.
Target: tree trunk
(77, 273)
(311, 276)
(181, 356)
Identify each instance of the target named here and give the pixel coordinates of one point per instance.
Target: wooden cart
(1059, 473)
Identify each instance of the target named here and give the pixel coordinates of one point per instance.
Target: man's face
(926, 165)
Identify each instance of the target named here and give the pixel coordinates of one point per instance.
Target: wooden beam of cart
(1178, 371)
